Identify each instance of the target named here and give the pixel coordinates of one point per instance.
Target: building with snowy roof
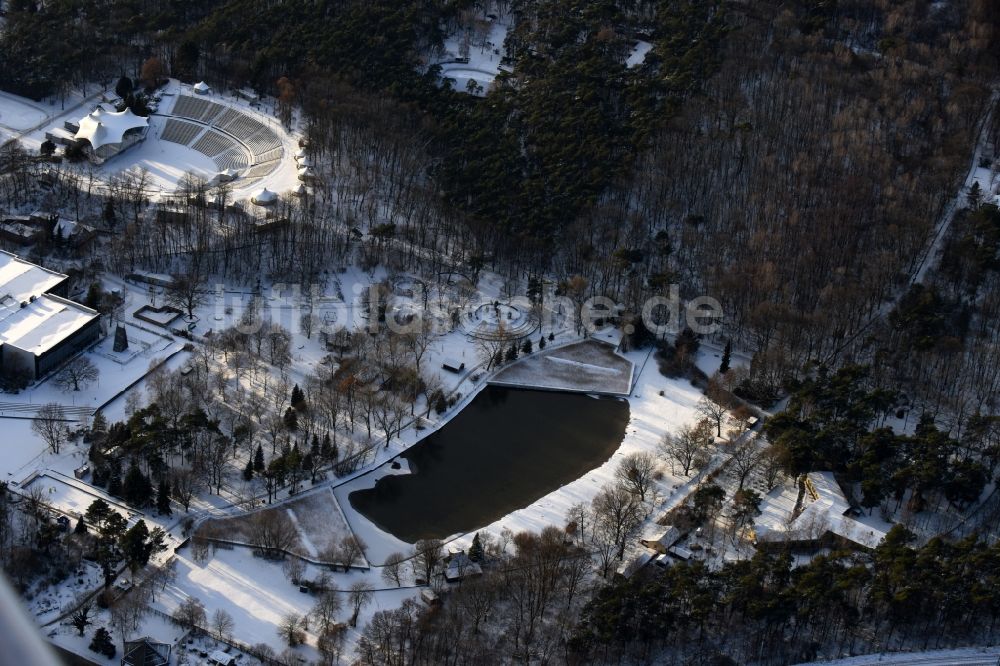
(826, 518)
(146, 652)
(39, 327)
(264, 197)
(108, 133)
(461, 567)
(660, 537)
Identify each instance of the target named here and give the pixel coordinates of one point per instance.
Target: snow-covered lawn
(18, 114)
(258, 595)
(589, 367)
(317, 519)
(73, 497)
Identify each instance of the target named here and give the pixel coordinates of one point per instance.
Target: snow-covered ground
(165, 162)
(989, 183)
(258, 595)
(48, 602)
(18, 114)
(638, 54)
(986, 656)
(316, 517)
(72, 496)
(472, 56)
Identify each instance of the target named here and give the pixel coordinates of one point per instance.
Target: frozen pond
(508, 448)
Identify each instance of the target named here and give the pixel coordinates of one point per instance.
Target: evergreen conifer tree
(163, 498)
(727, 354)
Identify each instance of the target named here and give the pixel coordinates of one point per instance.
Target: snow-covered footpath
(987, 656)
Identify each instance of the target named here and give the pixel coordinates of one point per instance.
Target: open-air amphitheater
(231, 138)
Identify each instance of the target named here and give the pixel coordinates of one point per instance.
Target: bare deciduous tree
(346, 553)
(426, 557)
(617, 514)
(222, 624)
(688, 445)
(359, 597)
(746, 458)
(190, 614)
(184, 484)
(392, 570)
(326, 609)
(713, 411)
(49, 424)
(186, 291)
(635, 472)
(78, 372)
(290, 630)
(273, 532)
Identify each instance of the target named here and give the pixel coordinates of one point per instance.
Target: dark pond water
(505, 450)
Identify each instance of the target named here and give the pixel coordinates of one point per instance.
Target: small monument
(121, 339)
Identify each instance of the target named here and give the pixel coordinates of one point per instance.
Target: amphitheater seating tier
(270, 155)
(194, 108)
(180, 131)
(261, 170)
(263, 144)
(234, 158)
(212, 143)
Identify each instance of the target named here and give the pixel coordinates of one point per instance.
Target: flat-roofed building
(39, 328)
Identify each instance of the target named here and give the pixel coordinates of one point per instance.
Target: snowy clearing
(256, 593)
(638, 54)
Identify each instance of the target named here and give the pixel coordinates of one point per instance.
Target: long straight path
(931, 254)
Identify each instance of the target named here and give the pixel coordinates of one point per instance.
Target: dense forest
(790, 160)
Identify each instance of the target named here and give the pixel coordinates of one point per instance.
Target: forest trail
(931, 254)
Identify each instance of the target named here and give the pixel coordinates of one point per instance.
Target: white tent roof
(102, 127)
(201, 86)
(265, 196)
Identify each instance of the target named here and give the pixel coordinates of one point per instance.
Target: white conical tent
(102, 128)
(201, 88)
(300, 190)
(264, 197)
